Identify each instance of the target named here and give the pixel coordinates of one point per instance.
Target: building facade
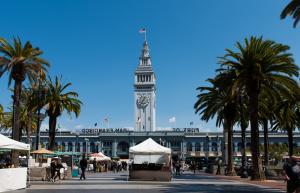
(184, 142)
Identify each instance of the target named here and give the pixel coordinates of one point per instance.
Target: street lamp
(207, 149)
(40, 93)
(98, 146)
(86, 146)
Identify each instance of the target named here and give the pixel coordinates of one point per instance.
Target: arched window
(84, 146)
(63, 146)
(92, 147)
(189, 147)
(239, 146)
(214, 146)
(70, 146)
(197, 147)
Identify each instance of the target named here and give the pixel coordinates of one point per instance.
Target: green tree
(58, 100)
(259, 64)
(287, 118)
(27, 116)
(215, 101)
(21, 62)
(292, 9)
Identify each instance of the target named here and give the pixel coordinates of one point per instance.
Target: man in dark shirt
(292, 174)
(83, 166)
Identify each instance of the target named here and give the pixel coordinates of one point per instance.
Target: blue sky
(96, 45)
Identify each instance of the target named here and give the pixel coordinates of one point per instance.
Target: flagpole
(145, 35)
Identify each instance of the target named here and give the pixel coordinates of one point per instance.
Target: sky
(95, 45)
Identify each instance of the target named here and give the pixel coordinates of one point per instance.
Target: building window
(197, 147)
(189, 147)
(214, 146)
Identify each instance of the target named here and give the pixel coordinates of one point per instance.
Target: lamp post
(86, 146)
(98, 146)
(207, 149)
(40, 93)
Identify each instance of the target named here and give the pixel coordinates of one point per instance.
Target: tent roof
(42, 151)
(7, 143)
(149, 146)
(99, 157)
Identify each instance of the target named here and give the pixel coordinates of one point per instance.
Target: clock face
(142, 101)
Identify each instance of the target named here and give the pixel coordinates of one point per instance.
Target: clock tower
(144, 93)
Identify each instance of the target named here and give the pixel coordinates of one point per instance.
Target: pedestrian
(94, 165)
(83, 166)
(291, 172)
(193, 166)
(53, 170)
(58, 167)
(219, 163)
(177, 165)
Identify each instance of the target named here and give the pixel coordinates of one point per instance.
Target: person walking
(83, 166)
(94, 165)
(58, 167)
(53, 169)
(291, 172)
(219, 163)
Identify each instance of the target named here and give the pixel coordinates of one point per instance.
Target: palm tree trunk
(290, 139)
(243, 140)
(257, 173)
(16, 119)
(266, 142)
(229, 150)
(52, 128)
(37, 137)
(28, 128)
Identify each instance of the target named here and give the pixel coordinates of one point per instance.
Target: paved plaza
(115, 183)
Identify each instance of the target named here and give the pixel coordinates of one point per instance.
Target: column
(132, 143)
(209, 147)
(219, 146)
(184, 150)
(81, 146)
(202, 147)
(114, 148)
(58, 146)
(88, 149)
(193, 147)
(235, 146)
(73, 146)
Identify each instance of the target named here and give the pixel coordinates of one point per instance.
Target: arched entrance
(123, 150)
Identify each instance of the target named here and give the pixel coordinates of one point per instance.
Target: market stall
(101, 161)
(150, 161)
(40, 167)
(12, 178)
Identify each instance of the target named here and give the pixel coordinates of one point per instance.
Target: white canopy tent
(12, 178)
(150, 152)
(99, 157)
(7, 143)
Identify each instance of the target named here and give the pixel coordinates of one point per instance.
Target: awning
(7, 143)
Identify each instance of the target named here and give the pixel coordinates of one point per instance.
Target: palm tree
(27, 116)
(216, 101)
(21, 62)
(292, 9)
(287, 119)
(267, 103)
(259, 64)
(57, 100)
